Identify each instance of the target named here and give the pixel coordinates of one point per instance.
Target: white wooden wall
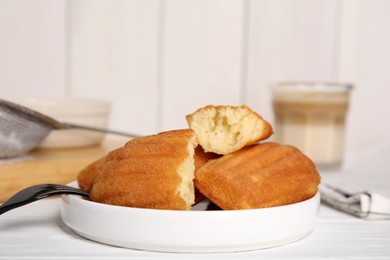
(157, 60)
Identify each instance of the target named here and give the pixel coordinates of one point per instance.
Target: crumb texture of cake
(155, 171)
(226, 129)
(258, 176)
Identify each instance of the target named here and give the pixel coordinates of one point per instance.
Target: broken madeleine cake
(226, 129)
(155, 171)
(200, 159)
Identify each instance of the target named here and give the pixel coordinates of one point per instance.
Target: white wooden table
(36, 231)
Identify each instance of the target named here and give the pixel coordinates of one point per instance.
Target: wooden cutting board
(59, 166)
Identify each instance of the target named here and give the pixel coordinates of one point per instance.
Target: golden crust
(85, 176)
(261, 175)
(201, 158)
(144, 173)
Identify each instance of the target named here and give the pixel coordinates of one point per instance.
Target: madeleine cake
(154, 171)
(226, 129)
(258, 176)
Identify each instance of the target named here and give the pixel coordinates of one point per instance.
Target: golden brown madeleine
(226, 129)
(154, 171)
(258, 176)
(201, 157)
(86, 175)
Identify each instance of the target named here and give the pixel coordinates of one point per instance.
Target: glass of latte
(311, 116)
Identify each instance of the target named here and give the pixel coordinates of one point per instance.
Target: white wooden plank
(289, 40)
(32, 48)
(113, 49)
(202, 57)
(365, 61)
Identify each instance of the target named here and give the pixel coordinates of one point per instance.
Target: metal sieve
(22, 129)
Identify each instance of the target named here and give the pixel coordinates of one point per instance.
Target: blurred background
(158, 60)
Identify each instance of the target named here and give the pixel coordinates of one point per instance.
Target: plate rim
(253, 241)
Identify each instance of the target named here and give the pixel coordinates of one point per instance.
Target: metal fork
(38, 192)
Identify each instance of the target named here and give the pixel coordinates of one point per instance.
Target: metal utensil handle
(38, 192)
(72, 126)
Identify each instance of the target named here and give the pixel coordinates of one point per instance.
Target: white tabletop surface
(36, 231)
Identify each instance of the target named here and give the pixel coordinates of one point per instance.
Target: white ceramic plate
(192, 231)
